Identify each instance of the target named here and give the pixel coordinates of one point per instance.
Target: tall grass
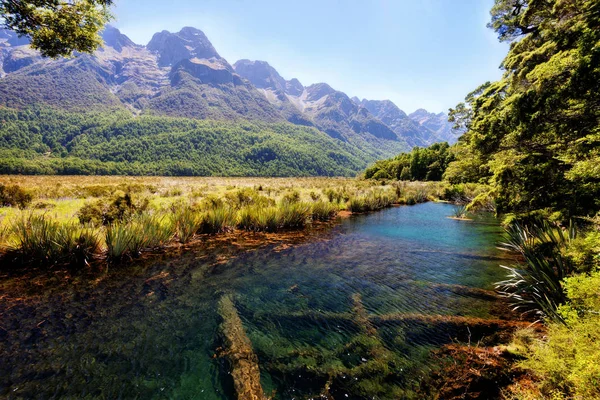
(259, 219)
(217, 220)
(294, 215)
(158, 231)
(40, 239)
(534, 284)
(323, 211)
(370, 202)
(118, 240)
(188, 222)
(271, 219)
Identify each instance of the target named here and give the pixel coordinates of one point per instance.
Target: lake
(351, 311)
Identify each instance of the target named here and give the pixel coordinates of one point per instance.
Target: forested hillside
(47, 141)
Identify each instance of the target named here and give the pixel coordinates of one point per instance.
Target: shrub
(14, 196)
(534, 285)
(567, 360)
(584, 252)
(120, 208)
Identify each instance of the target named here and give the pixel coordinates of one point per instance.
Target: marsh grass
(372, 201)
(294, 215)
(258, 219)
(323, 211)
(39, 239)
(118, 241)
(217, 220)
(188, 222)
(122, 216)
(87, 245)
(158, 230)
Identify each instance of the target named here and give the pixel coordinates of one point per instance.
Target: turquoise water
(151, 330)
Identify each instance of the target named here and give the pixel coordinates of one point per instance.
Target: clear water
(151, 330)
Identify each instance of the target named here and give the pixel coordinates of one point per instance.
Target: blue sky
(419, 54)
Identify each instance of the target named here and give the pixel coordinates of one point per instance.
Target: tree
(536, 132)
(58, 27)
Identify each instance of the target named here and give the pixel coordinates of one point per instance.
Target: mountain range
(182, 76)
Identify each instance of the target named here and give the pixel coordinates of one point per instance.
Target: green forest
(42, 140)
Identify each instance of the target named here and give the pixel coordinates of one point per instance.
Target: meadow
(78, 220)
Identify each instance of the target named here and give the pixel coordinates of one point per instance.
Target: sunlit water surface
(151, 331)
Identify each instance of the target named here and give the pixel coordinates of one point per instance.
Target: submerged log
(238, 350)
(405, 318)
(455, 320)
(361, 317)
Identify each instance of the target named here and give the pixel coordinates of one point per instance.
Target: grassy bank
(78, 220)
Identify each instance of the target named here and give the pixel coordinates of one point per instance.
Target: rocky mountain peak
(420, 113)
(381, 108)
(183, 45)
(260, 74)
(293, 87)
(264, 76)
(318, 91)
(114, 38)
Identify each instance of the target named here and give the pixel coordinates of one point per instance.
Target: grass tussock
(217, 220)
(188, 222)
(323, 211)
(370, 202)
(294, 215)
(39, 239)
(258, 219)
